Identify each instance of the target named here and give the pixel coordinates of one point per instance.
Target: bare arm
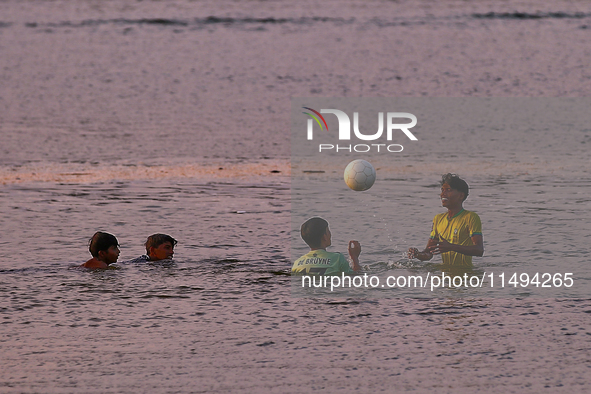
(413, 253)
(477, 249)
(354, 252)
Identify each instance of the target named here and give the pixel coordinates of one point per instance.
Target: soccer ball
(360, 175)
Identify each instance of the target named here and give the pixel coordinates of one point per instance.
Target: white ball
(360, 175)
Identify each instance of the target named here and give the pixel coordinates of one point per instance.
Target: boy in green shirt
(318, 261)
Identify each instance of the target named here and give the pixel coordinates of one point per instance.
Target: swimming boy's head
(456, 183)
(160, 247)
(104, 247)
(313, 232)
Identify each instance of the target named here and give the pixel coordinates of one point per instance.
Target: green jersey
(321, 262)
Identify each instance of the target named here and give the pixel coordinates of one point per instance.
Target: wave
(526, 15)
(305, 21)
(88, 173)
(210, 20)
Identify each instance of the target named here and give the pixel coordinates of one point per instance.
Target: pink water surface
(115, 116)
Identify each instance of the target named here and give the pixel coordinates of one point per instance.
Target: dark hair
(312, 231)
(101, 241)
(456, 183)
(156, 240)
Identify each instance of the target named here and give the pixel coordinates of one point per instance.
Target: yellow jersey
(456, 230)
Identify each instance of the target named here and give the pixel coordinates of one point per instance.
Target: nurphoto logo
(344, 130)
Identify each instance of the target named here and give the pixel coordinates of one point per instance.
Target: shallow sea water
(118, 116)
(525, 161)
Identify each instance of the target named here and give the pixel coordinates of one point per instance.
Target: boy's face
(450, 197)
(110, 255)
(162, 252)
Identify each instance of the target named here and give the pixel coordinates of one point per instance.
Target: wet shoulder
(138, 260)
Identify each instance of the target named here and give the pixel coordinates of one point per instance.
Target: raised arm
(354, 252)
(413, 253)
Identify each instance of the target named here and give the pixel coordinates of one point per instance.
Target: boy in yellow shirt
(457, 233)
